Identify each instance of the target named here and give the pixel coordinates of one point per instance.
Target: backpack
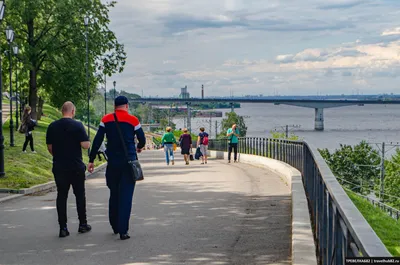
(205, 140)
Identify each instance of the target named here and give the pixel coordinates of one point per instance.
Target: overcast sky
(286, 47)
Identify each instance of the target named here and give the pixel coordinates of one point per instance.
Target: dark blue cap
(120, 100)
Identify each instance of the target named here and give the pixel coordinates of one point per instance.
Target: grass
(24, 170)
(387, 229)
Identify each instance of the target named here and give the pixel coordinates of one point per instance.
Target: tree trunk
(40, 108)
(33, 97)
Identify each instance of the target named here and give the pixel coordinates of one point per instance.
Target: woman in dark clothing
(186, 145)
(27, 126)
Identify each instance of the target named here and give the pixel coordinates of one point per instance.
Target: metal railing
(340, 230)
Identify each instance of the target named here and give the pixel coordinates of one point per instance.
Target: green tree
(392, 180)
(51, 37)
(356, 168)
(233, 118)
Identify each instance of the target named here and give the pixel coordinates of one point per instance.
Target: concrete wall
(303, 246)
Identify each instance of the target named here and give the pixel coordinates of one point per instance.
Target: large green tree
(51, 37)
(356, 168)
(392, 180)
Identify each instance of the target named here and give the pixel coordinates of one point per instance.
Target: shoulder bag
(134, 165)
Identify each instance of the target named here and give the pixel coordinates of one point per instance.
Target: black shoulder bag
(134, 165)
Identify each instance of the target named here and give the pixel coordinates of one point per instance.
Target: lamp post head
(115, 83)
(86, 20)
(15, 49)
(9, 34)
(2, 9)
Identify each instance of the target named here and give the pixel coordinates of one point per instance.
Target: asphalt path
(216, 213)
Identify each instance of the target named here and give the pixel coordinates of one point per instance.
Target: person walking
(202, 141)
(27, 126)
(119, 177)
(233, 138)
(65, 139)
(185, 142)
(168, 140)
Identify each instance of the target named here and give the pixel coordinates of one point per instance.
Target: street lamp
(115, 83)
(10, 39)
(2, 173)
(86, 21)
(15, 49)
(105, 94)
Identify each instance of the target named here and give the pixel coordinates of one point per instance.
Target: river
(344, 125)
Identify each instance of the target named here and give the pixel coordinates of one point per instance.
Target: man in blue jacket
(118, 175)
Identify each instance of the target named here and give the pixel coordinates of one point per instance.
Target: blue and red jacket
(130, 127)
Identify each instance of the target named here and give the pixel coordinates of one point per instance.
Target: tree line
(51, 38)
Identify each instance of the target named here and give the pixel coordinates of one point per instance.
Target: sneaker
(173, 162)
(34, 152)
(235, 161)
(229, 161)
(24, 151)
(84, 228)
(63, 232)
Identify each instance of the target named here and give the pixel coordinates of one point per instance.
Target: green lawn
(387, 229)
(24, 170)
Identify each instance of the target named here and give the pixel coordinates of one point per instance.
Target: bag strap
(121, 137)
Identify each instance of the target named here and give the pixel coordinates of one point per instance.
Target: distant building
(184, 93)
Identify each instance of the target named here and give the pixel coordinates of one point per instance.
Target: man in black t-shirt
(65, 139)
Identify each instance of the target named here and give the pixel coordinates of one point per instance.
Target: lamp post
(10, 39)
(115, 83)
(2, 173)
(86, 21)
(15, 49)
(105, 94)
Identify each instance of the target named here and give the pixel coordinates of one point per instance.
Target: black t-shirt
(66, 136)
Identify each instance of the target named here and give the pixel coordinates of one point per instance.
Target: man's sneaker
(84, 228)
(24, 151)
(64, 232)
(34, 152)
(124, 236)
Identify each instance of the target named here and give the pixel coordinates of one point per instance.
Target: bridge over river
(253, 212)
(318, 104)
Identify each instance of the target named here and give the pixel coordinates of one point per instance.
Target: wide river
(344, 125)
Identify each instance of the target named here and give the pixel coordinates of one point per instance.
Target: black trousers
(122, 186)
(235, 150)
(28, 139)
(64, 179)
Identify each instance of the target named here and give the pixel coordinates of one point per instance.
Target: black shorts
(185, 151)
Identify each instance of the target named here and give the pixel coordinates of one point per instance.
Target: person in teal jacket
(168, 140)
(233, 137)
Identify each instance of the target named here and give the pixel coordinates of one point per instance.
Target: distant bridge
(318, 104)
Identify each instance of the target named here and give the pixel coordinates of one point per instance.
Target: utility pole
(216, 129)
(287, 131)
(211, 125)
(189, 117)
(382, 189)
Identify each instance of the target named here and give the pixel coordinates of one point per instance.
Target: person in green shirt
(168, 140)
(233, 138)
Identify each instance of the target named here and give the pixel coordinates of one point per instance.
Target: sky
(252, 47)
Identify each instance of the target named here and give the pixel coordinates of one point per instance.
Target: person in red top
(118, 175)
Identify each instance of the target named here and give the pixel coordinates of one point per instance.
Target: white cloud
(256, 46)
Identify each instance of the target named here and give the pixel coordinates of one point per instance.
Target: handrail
(340, 230)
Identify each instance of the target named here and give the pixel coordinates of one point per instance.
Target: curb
(15, 194)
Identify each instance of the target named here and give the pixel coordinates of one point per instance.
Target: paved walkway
(198, 214)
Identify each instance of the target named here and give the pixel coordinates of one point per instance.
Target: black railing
(339, 228)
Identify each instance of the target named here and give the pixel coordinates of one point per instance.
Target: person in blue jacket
(118, 175)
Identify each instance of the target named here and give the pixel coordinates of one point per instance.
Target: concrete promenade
(198, 214)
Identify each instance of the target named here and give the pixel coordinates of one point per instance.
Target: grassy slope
(24, 170)
(387, 229)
